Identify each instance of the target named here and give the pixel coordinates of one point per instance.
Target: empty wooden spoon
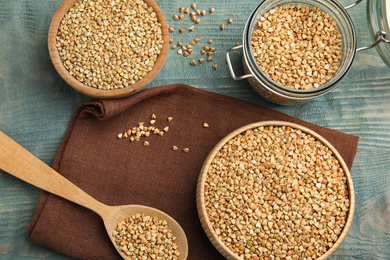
(20, 163)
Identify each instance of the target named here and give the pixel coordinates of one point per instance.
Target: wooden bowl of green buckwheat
(275, 190)
(108, 49)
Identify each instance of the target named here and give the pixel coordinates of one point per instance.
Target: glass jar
(378, 12)
(278, 93)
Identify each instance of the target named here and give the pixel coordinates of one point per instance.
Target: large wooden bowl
(200, 198)
(94, 92)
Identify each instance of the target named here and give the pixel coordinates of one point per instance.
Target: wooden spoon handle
(22, 164)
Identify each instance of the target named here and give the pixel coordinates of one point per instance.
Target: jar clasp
(229, 63)
(380, 36)
(352, 5)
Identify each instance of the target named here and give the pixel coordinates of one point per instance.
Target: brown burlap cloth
(117, 171)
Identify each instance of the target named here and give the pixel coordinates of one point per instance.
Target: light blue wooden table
(36, 106)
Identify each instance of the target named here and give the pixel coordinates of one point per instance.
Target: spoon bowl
(22, 164)
(116, 214)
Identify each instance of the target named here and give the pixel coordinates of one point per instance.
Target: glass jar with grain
(296, 51)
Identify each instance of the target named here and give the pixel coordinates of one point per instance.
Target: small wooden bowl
(94, 92)
(200, 198)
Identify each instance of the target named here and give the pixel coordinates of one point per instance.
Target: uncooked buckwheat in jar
(275, 192)
(297, 46)
(109, 44)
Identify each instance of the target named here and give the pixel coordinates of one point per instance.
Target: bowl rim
(200, 202)
(99, 93)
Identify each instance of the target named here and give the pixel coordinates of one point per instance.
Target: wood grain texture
(36, 106)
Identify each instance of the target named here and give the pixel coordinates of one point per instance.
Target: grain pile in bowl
(109, 44)
(275, 192)
(298, 47)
